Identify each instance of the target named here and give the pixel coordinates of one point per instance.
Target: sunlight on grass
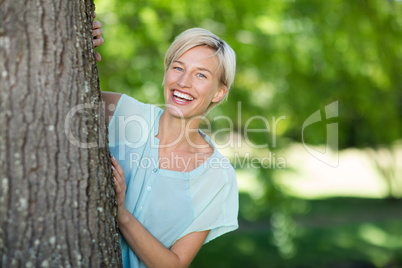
(380, 240)
(248, 182)
(378, 237)
(373, 235)
(310, 178)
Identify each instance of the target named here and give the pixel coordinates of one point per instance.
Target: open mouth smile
(181, 98)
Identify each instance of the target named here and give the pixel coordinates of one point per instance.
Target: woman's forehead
(202, 55)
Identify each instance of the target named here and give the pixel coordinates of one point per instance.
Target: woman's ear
(220, 94)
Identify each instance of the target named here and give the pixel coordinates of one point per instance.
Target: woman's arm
(152, 252)
(143, 243)
(111, 99)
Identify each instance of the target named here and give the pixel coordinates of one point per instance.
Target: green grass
(335, 233)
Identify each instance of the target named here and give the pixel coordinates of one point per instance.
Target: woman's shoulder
(129, 106)
(222, 166)
(218, 165)
(131, 122)
(216, 186)
(216, 173)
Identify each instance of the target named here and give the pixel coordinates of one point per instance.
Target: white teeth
(182, 95)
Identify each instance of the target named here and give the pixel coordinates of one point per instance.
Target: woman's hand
(120, 189)
(97, 36)
(152, 252)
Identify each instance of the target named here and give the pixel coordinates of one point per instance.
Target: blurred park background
(324, 72)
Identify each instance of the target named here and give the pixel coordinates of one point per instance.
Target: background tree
(56, 193)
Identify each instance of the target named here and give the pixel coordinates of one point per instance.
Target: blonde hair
(194, 37)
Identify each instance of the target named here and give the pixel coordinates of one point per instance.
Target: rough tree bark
(57, 205)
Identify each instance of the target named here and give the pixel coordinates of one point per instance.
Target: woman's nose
(184, 81)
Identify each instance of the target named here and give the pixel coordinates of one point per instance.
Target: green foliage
(294, 58)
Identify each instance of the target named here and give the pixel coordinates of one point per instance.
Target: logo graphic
(327, 157)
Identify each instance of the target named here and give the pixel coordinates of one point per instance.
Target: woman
(175, 191)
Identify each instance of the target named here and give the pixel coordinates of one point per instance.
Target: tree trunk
(57, 202)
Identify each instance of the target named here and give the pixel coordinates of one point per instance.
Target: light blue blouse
(169, 204)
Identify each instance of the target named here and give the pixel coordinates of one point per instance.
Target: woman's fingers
(120, 184)
(120, 187)
(117, 167)
(97, 32)
(97, 24)
(117, 186)
(117, 176)
(98, 42)
(98, 56)
(97, 36)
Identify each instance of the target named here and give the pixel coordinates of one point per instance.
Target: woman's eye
(201, 75)
(177, 68)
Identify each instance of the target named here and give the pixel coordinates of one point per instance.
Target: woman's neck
(179, 133)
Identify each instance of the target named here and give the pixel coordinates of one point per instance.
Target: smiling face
(191, 83)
